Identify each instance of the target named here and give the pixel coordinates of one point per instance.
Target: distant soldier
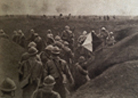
(32, 72)
(82, 37)
(39, 42)
(50, 37)
(58, 38)
(103, 35)
(32, 35)
(47, 90)
(67, 35)
(81, 67)
(15, 37)
(58, 42)
(58, 68)
(110, 40)
(21, 38)
(8, 88)
(3, 34)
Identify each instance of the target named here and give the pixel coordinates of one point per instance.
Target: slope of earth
(10, 54)
(119, 81)
(124, 50)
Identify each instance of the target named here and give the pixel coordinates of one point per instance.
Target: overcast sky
(75, 7)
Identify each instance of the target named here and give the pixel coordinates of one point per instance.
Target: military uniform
(33, 70)
(45, 55)
(110, 40)
(47, 90)
(15, 37)
(21, 38)
(50, 40)
(67, 55)
(41, 93)
(82, 68)
(3, 34)
(39, 42)
(57, 71)
(81, 39)
(68, 36)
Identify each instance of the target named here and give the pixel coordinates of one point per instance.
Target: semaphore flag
(88, 43)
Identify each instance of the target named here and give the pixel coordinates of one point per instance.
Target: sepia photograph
(68, 49)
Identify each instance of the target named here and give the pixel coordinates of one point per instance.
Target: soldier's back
(41, 93)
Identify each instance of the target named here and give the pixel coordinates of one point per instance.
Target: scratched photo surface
(86, 48)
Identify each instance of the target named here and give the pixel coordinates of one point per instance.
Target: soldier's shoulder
(55, 93)
(63, 61)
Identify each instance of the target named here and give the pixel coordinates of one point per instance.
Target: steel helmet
(19, 31)
(82, 58)
(32, 44)
(55, 50)
(93, 31)
(49, 31)
(67, 27)
(103, 29)
(15, 32)
(111, 33)
(59, 44)
(8, 85)
(49, 81)
(32, 51)
(66, 43)
(84, 32)
(57, 38)
(49, 47)
(36, 34)
(32, 30)
(1, 31)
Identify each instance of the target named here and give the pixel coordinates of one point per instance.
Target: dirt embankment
(114, 72)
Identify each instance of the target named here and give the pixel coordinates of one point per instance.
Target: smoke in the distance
(75, 7)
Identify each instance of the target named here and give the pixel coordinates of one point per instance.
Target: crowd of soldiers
(46, 68)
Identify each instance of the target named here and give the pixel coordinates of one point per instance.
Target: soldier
(94, 33)
(47, 90)
(82, 37)
(50, 38)
(32, 44)
(67, 54)
(45, 55)
(58, 42)
(58, 38)
(58, 68)
(32, 72)
(32, 35)
(110, 40)
(21, 38)
(67, 35)
(3, 34)
(81, 67)
(103, 35)
(8, 88)
(39, 42)
(15, 37)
